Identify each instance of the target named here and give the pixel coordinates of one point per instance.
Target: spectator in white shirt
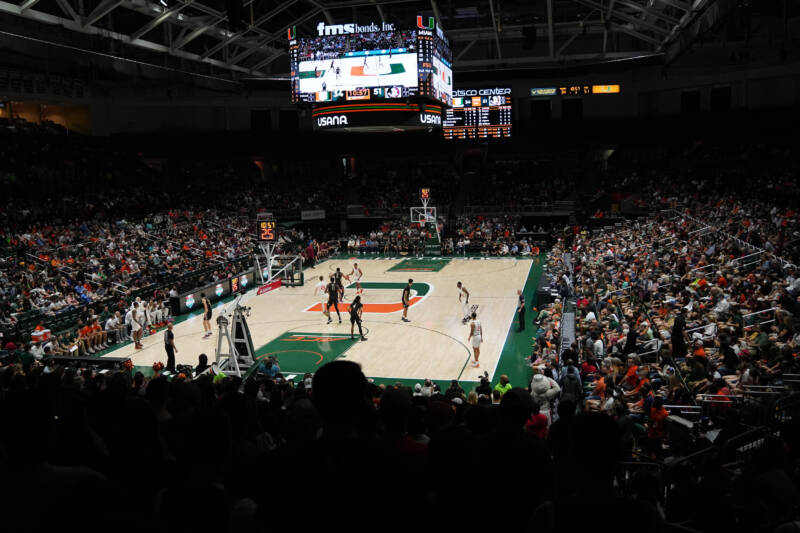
(114, 327)
(37, 351)
(599, 348)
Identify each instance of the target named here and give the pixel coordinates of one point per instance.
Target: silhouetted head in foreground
(340, 396)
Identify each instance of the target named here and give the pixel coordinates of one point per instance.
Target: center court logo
(419, 291)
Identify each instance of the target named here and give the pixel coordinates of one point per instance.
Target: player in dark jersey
(206, 315)
(333, 300)
(406, 300)
(356, 308)
(338, 275)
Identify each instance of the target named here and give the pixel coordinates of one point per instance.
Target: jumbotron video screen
(479, 114)
(375, 61)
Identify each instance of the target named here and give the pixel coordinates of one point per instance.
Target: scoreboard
(267, 228)
(576, 90)
(374, 61)
(479, 114)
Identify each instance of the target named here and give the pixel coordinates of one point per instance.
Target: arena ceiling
(202, 36)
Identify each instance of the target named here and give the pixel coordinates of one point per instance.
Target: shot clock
(267, 228)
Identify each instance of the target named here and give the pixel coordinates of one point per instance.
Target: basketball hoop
(423, 215)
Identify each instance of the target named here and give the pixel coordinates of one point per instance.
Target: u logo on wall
(422, 26)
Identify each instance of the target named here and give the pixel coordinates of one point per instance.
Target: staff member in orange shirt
(99, 335)
(89, 340)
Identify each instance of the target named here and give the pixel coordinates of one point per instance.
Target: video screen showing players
(375, 61)
(366, 66)
(442, 81)
(479, 114)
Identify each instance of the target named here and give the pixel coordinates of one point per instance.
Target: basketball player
(476, 334)
(338, 275)
(463, 297)
(206, 315)
(137, 319)
(322, 289)
(333, 300)
(356, 308)
(406, 300)
(356, 273)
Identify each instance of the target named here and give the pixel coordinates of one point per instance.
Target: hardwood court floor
(433, 345)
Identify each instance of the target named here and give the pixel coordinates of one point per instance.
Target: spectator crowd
(661, 392)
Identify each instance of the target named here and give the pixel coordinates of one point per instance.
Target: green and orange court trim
(309, 74)
(394, 68)
(421, 289)
(299, 352)
(420, 265)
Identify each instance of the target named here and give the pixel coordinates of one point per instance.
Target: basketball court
(358, 72)
(288, 323)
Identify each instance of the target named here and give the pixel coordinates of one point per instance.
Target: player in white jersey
(476, 335)
(356, 274)
(322, 289)
(463, 297)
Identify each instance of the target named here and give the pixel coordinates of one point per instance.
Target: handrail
(783, 261)
(759, 324)
(748, 255)
(703, 267)
(697, 230)
(701, 327)
(759, 312)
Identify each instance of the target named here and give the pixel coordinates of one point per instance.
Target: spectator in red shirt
(537, 423)
(310, 254)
